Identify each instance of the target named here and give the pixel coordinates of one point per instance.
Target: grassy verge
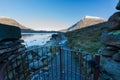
(86, 39)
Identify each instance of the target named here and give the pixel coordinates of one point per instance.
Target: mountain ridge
(24, 29)
(86, 21)
(10, 21)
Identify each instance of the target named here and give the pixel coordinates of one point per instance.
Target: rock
(46, 73)
(114, 22)
(108, 48)
(110, 61)
(116, 57)
(20, 41)
(3, 51)
(46, 69)
(111, 48)
(54, 35)
(111, 67)
(8, 45)
(100, 50)
(11, 43)
(36, 76)
(8, 32)
(118, 6)
(29, 58)
(36, 64)
(108, 53)
(57, 53)
(44, 58)
(21, 50)
(111, 39)
(115, 17)
(49, 55)
(112, 26)
(88, 57)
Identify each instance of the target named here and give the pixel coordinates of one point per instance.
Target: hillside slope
(86, 21)
(9, 21)
(86, 39)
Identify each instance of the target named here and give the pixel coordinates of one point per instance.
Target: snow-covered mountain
(93, 17)
(86, 21)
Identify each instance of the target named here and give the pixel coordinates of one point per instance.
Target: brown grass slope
(86, 21)
(9, 21)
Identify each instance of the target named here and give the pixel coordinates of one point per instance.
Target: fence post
(96, 70)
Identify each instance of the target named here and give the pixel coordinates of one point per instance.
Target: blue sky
(55, 14)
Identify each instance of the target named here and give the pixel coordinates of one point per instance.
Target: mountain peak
(93, 17)
(86, 21)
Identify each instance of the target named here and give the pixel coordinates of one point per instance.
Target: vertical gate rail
(61, 64)
(97, 69)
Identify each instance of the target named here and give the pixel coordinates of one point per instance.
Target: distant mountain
(63, 30)
(9, 21)
(86, 21)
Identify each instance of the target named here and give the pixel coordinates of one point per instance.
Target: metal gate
(50, 63)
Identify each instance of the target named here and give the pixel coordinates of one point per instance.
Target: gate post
(60, 62)
(96, 70)
(1, 76)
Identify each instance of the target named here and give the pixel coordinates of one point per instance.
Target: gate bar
(96, 71)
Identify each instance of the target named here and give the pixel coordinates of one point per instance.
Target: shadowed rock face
(115, 17)
(8, 32)
(118, 6)
(113, 22)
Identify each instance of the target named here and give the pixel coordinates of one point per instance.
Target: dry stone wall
(110, 60)
(11, 46)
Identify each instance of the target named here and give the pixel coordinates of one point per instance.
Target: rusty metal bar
(97, 71)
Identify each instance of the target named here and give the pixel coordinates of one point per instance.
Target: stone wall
(11, 49)
(110, 60)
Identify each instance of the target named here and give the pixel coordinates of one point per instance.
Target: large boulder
(115, 17)
(118, 6)
(108, 53)
(8, 32)
(111, 38)
(114, 22)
